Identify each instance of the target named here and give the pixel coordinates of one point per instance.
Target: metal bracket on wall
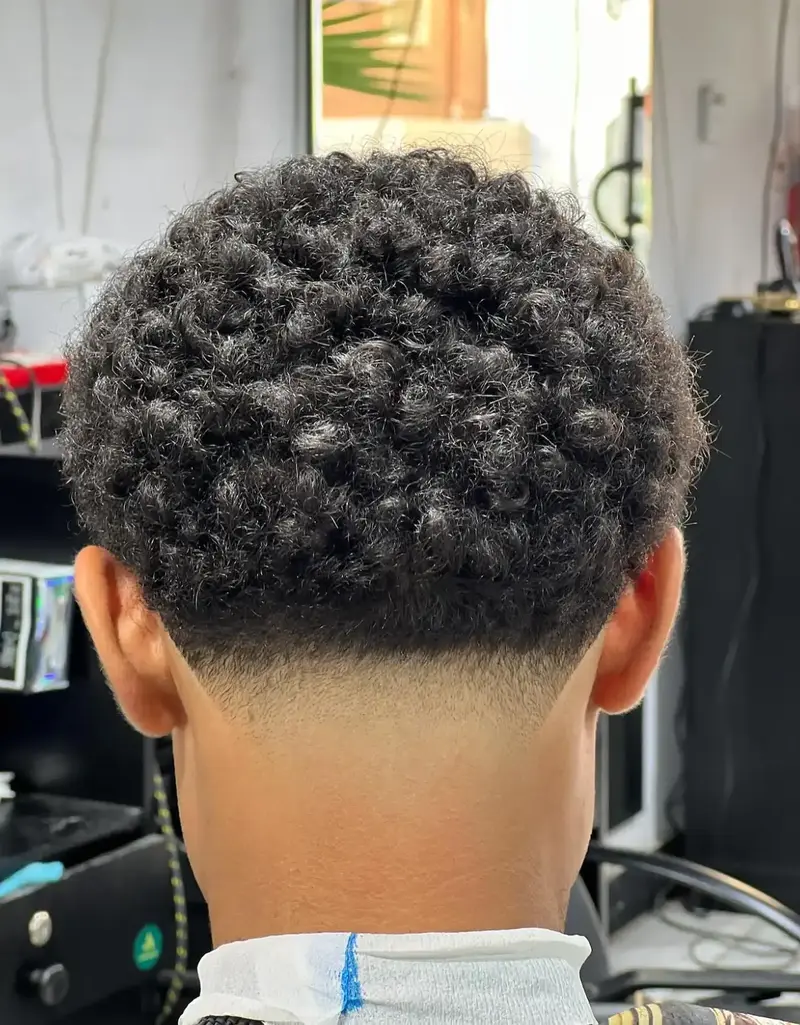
(709, 99)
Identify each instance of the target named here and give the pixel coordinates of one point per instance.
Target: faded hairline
(253, 684)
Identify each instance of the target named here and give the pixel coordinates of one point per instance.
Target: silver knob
(40, 929)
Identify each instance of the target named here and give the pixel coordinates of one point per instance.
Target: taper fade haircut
(395, 405)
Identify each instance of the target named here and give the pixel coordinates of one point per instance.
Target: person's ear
(637, 633)
(131, 643)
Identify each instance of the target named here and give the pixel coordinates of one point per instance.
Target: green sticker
(147, 948)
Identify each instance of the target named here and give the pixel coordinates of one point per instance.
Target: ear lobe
(639, 630)
(129, 640)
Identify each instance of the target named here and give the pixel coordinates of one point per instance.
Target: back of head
(384, 408)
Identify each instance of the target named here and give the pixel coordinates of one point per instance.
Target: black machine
(630, 167)
(86, 798)
(741, 712)
(735, 989)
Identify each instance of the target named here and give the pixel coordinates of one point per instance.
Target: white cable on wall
(49, 120)
(778, 117)
(101, 89)
(574, 181)
(95, 130)
(661, 115)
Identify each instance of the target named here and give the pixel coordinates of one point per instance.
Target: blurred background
(543, 88)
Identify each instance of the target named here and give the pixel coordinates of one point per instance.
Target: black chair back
(583, 920)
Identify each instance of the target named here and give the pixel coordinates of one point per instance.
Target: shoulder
(686, 1014)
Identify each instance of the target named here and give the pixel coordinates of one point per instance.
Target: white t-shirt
(520, 977)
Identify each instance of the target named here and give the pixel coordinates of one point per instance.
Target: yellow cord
(164, 816)
(23, 423)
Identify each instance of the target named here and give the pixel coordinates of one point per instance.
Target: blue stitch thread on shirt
(352, 1000)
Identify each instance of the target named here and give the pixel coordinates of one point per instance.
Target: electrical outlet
(710, 102)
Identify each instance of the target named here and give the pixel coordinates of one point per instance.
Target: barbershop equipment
(30, 383)
(90, 886)
(30, 394)
(782, 296)
(36, 606)
(741, 708)
(630, 168)
(786, 246)
(736, 989)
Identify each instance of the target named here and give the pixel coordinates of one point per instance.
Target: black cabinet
(742, 610)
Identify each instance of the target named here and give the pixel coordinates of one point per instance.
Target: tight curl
(394, 401)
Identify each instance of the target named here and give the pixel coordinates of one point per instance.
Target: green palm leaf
(355, 60)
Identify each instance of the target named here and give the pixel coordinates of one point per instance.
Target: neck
(381, 837)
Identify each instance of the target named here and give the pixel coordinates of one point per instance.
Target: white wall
(563, 68)
(707, 196)
(195, 90)
(707, 211)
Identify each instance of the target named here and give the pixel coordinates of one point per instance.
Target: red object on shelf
(793, 207)
(49, 370)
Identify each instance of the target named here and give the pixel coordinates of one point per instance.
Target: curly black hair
(396, 401)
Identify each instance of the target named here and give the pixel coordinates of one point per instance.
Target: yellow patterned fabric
(650, 1014)
(686, 1014)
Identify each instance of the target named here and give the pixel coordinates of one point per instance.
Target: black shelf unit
(742, 610)
(77, 762)
(72, 742)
